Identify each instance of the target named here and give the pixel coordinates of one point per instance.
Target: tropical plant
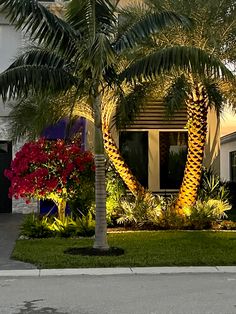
(203, 214)
(81, 52)
(55, 170)
(116, 192)
(143, 211)
(212, 187)
(35, 226)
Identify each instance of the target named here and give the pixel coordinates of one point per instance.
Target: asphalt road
(120, 294)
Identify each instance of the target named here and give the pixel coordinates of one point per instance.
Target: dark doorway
(5, 161)
(134, 149)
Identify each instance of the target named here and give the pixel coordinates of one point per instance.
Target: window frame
(231, 166)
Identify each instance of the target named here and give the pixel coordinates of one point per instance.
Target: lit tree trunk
(121, 167)
(197, 108)
(100, 186)
(61, 205)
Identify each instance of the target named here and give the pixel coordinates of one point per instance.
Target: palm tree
(78, 51)
(197, 93)
(81, 51)
(214, 32)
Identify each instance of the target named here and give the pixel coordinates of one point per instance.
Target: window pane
(173, 155)
(233, 166)
(134, 149)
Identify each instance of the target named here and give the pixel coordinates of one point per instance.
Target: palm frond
(89, 16)
(229, 93)
(151, 23)
(176, 95)
(19, 81)
(188, 59)
(129, 104)
(40, 24)
(215, 95)
(101, 55)
(30, 116)
(39, 56)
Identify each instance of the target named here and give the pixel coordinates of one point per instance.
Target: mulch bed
(89, 251)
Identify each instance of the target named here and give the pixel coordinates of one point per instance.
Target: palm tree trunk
(121, 167)
(197, 108)
(100, 185)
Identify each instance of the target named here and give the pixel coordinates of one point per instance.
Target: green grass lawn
(144, 248)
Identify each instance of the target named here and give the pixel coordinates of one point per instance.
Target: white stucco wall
(228, 144)
(10, 44)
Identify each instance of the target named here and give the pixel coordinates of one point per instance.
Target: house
(228, 157)
(153, 146)
(11, 42)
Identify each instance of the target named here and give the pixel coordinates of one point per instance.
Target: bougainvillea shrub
(52, 170)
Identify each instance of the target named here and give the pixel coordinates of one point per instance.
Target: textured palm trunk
(197, 108)
(121, 167)
(100, 184)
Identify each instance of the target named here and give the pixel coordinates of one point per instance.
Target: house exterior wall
(228, 145)
(10, 43)
(212, 149)
(153, 120)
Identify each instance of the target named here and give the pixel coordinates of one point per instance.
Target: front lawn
(142, 248)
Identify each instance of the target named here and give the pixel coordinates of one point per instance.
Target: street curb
(117, 271)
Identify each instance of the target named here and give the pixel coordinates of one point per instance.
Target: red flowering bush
(50, 170)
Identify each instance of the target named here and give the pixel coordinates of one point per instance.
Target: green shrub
(85, 225)
(35, 227)
(203, 214)
(141, 212)
(116, 193)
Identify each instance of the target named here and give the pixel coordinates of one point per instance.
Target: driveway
(9, 231)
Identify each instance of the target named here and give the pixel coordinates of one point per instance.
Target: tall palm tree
(214, 32)
(211, 17)
(198, 95)
(81, 51)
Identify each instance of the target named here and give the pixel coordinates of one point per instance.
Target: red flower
(44, 167)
